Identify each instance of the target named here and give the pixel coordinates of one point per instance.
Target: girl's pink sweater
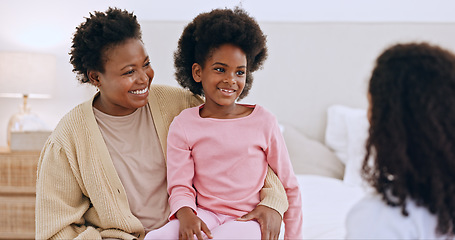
(226, 162)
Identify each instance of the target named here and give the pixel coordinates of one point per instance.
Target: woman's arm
(273, 194)
(62, 209)
(60, 204)
(269, 212)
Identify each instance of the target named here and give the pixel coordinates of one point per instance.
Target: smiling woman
(125, 81)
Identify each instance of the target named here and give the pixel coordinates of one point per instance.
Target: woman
(102, 172)
(410, 160)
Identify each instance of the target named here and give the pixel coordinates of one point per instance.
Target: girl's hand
(191, 224)
(269, 220)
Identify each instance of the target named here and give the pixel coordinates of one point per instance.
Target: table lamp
(26, 75)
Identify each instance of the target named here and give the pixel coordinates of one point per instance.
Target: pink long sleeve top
(226, 162)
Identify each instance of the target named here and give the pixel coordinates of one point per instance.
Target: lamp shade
(29, 74)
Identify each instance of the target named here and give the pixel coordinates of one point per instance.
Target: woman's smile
(140, 91)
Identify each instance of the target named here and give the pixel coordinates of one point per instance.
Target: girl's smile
(227, 92)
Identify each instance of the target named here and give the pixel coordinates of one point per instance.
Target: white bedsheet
(325, 203)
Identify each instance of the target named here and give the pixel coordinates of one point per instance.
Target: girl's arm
(278, 159)
(180, 171)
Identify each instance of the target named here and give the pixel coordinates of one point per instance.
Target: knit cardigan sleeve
(167, 102)
(75, 194)
(273, 194)
(60, 202)
(61, 207)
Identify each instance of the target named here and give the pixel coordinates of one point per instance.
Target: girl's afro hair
(210, 30)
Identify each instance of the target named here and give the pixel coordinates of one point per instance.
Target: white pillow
(309, 156)
(336, 135)
(346, 134)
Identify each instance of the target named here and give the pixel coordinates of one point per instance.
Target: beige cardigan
(78, 192)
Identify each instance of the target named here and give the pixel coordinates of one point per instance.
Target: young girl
(218, 153)
(411, 145)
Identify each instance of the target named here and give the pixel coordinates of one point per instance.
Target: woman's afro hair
(96, 35)
(210, 30)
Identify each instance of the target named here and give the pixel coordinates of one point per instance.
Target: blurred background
(321, 52)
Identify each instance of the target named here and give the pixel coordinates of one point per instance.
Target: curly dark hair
(210, 30)
(412, 133)
(101, 31)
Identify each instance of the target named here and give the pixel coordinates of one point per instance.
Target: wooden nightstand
(17, 194)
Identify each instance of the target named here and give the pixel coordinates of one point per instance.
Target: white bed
(329, 173)
(326, 201)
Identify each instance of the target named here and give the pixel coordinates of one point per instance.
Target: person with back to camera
(410, 159)
(102, 172)
(218, 152)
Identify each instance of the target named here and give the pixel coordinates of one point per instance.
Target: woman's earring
(97, 89)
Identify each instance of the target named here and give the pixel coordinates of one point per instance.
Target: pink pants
(222, 227)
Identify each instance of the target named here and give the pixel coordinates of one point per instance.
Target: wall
(315, 60)
(310, 65)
